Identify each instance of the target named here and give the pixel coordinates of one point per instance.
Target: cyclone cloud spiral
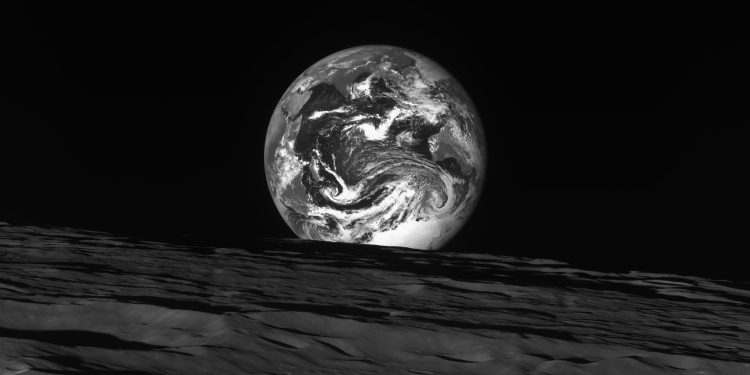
(378, 145)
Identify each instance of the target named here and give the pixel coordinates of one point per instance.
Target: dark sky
(617, 136)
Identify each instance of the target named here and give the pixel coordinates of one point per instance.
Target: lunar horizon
(80, 301)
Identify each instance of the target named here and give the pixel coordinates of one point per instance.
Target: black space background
(617, 136)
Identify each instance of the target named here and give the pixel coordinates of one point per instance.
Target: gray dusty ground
(76, 301)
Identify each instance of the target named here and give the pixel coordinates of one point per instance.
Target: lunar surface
(74, 301)
(376, 145)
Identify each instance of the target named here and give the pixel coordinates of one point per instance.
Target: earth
(375, 145)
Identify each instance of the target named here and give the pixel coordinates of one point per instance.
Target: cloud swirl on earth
(378, 145)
